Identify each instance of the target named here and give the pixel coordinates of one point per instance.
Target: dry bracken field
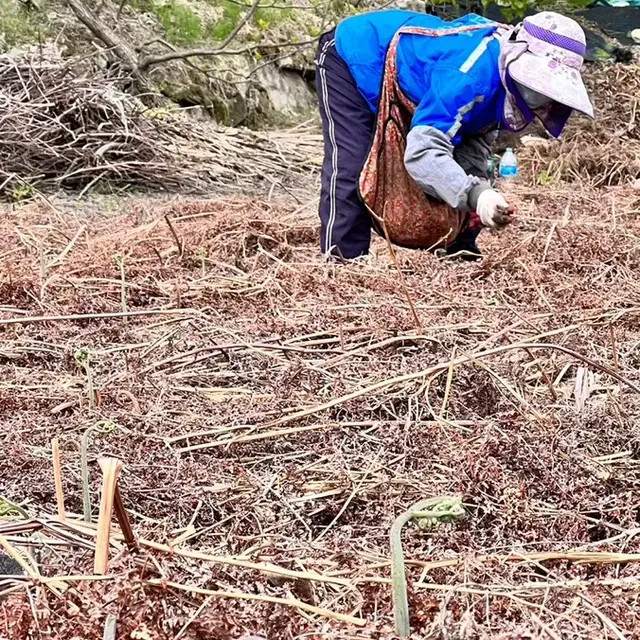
(274, 413)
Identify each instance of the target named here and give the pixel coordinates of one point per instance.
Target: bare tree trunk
(109, 38)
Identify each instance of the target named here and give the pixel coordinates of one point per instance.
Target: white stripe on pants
(334, 147)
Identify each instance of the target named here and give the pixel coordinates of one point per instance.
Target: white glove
(492, 209)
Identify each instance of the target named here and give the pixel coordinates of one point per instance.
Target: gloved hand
(493, 209)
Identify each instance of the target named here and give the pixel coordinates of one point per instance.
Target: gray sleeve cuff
(429, 159)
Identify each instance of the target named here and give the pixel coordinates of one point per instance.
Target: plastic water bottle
(509, 165)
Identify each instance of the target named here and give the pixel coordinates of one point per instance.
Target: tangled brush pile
(60, 128)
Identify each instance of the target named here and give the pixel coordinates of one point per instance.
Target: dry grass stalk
(57, 478)
(403, 282)
(574, 557)
(111, 468)
(93, 316)
(123, 520)
(262, 435)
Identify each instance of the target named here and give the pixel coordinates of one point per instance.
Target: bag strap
(391, 60)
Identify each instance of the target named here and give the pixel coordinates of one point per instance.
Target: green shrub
(20, 25)
(181, 24)
(230, 18)
(512, 9)
(266, 18)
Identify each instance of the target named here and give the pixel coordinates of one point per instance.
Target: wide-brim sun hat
(553, 60)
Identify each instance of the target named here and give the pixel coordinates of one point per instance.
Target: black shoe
(464, 247)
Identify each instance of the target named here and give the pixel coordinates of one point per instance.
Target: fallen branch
(109, 38)
(287, 602)
(264, 567)
(93, 316)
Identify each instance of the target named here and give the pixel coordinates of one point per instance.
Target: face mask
(533, 99)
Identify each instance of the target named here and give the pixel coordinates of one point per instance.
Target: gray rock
(9, 566)
(286, 89)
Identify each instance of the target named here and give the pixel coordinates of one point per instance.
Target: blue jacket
(454, 80)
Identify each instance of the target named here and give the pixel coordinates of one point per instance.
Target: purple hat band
(555, 39)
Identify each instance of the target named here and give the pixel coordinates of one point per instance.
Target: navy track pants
(348, 126)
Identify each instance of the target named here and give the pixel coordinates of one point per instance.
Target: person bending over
(466, 86)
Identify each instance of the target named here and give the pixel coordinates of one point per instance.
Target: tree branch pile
(61, 128)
